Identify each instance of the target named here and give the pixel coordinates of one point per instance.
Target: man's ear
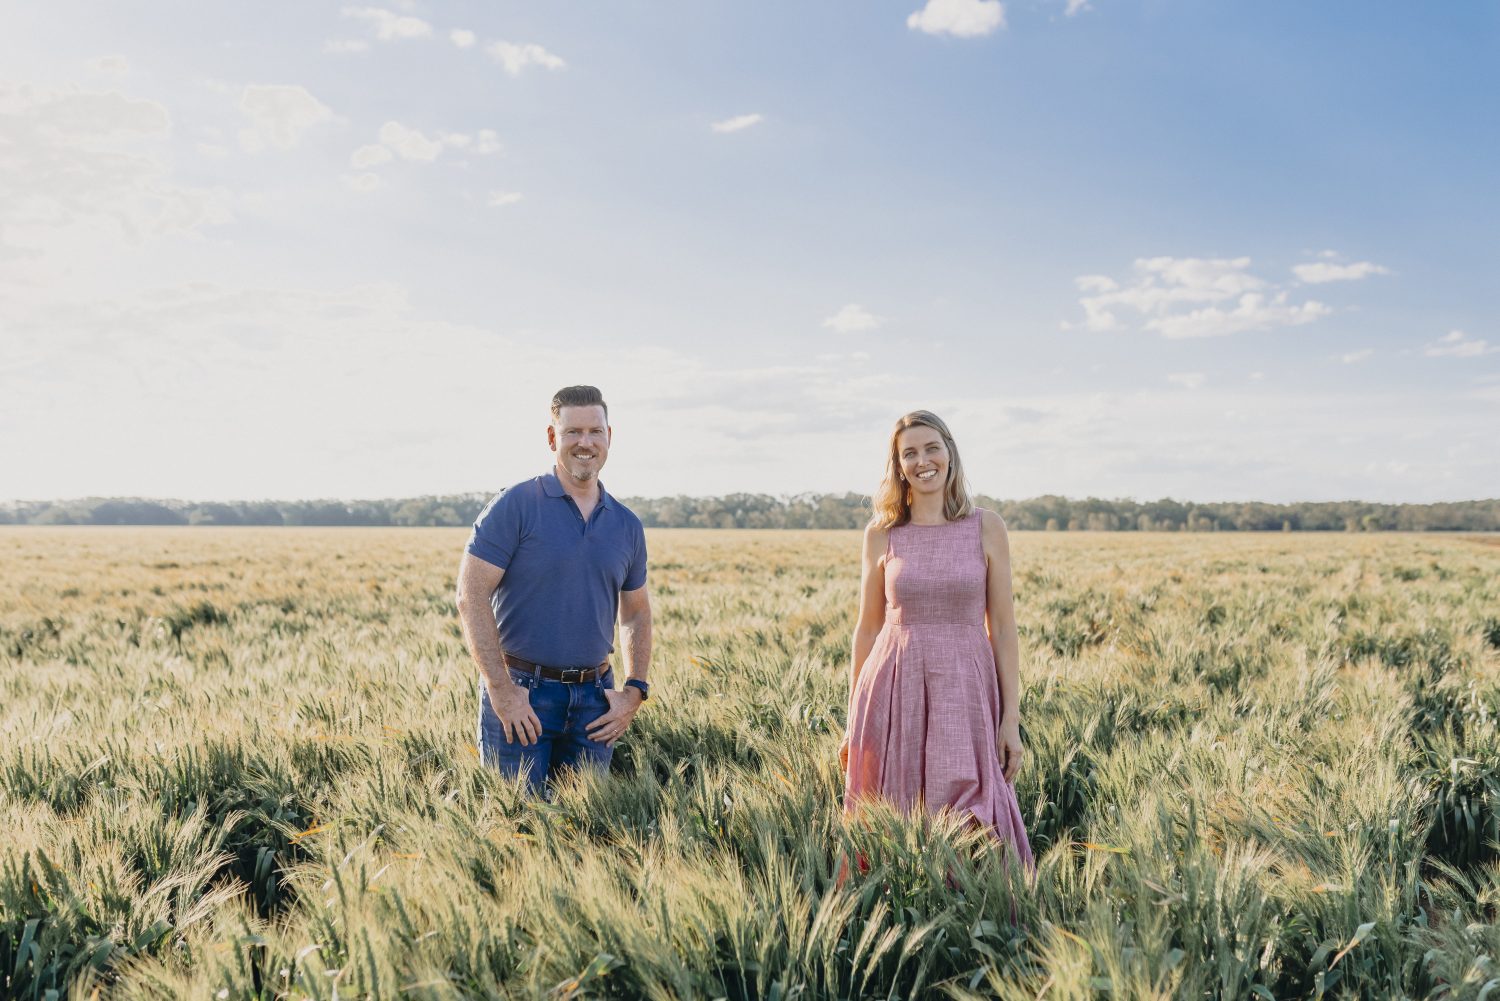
(552, 437)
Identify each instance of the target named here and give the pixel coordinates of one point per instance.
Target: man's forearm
(481, 638)
(635, 638)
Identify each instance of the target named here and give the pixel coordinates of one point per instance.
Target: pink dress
(925, 710)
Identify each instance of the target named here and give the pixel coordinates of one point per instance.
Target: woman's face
(924, 459)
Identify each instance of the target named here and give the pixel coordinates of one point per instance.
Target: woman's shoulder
(876, 542)
(990, 522)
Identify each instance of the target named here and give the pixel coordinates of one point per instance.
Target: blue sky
(1216, 251)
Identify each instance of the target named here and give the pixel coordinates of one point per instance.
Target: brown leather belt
(568, 676)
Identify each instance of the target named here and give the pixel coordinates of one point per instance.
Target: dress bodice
(936, 574)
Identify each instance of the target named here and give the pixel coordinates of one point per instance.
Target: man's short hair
(578, 396)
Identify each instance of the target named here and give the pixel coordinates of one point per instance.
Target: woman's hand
(1008, 744)
(844, 754)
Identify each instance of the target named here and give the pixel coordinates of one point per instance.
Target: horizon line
(783, 497)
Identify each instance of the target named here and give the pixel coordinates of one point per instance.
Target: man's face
(580, 437)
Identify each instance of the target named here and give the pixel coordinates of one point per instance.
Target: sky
(1126, 248)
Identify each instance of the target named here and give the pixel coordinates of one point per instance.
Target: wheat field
(239, 763)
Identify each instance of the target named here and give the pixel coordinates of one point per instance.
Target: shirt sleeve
(497, 531)
(635, 576)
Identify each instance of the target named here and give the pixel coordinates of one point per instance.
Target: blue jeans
(565, 711)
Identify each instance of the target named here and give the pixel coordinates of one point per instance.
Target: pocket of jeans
(522, 679)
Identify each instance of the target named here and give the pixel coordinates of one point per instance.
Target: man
(552, 562)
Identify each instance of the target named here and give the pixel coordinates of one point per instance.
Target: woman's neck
(927, 509)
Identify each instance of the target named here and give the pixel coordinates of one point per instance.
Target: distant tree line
(450, 510)
(1050, 513)
(1056, 514)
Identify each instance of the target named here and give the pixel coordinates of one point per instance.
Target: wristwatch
(644, 688)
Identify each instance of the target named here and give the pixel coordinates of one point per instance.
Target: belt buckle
(576, 673)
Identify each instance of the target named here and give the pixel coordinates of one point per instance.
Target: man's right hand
(512, 704)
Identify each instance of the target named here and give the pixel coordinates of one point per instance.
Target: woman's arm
(1000, 618)
(871, 599)
(871, 612)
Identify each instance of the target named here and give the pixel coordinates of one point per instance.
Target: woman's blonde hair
(892, 500)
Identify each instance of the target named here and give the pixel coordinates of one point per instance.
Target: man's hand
(1008, 744)
(622, 709)
(512, 704)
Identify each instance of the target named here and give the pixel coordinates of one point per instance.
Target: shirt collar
(552, 487)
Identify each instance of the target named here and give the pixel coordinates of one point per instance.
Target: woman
(933, 689)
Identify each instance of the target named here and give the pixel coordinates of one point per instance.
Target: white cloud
(516, 58)
(409, 143)
(279, 114)
(1188, 380)
(1198, 278)
(484, 142)
(1320, 272)
(961, 18)
(1457, 344)
(738, 122)
(1077, 6)
(852, 319)
(387, 25)
(75, 116)
(1354, 357)
(1096, 316)
(84, 169)
(363, 183)
(368, 156)
(1180, 297)
(1253, 311)
(500, 199)
(342, 45)
(1095, 283)
(88, 200)
(117, 65)
(462, 38)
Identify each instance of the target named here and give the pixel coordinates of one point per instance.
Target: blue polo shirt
(557, 603)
